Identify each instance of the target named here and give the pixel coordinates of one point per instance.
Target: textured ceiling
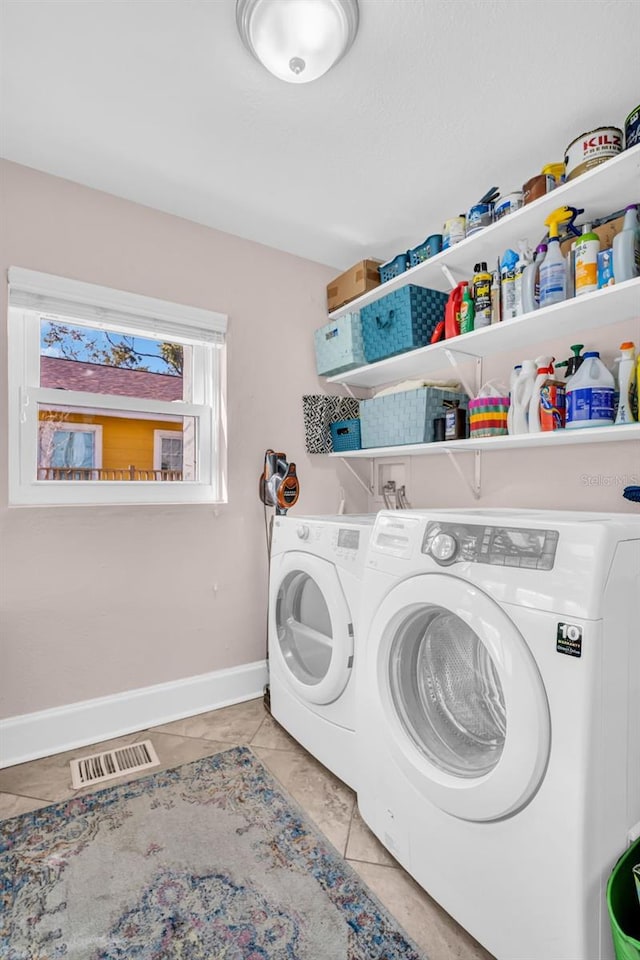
(159, 102)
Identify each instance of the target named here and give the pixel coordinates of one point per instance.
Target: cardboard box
(353, 283)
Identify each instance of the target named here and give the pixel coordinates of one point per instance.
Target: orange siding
(124, 441)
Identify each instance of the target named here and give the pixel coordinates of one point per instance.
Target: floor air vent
(113, 763)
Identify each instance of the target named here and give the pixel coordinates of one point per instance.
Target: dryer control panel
(532, 549)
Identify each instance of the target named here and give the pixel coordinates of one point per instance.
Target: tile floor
(327, 801)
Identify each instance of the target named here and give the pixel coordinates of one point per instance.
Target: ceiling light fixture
(297, 40)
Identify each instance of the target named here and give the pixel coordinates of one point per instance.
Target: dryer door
(310, 627)
(464, 701)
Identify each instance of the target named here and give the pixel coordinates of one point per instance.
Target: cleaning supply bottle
(531, 281)
(482, 295)
(544, 368)
(452, 310)
(627, 383)
(508, 283)
(590, 394)
(553, 269)
(524, 260)
(496, 312)
(586, 261)
(513, 379)
(626, 247)
(575, 360)
(467, 311)
(521, 397)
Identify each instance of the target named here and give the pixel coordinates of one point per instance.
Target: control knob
(444, 547)
(303, 532)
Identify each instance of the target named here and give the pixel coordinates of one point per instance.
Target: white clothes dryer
(315, 590)
(499, 716)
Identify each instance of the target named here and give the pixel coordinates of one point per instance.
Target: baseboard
(34, 735)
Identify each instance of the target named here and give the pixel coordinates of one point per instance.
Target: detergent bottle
(515, 373)
(531, 281)
(508, 263)
(590, 394)
(452, 310)
(626, 247)
(544, 370)
(521, 397)
(627, 383)
(587, 249)
(553, 269)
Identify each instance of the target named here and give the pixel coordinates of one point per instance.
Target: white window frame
(33, 296)
(158, 437)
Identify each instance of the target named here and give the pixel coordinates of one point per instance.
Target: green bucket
(624, 905)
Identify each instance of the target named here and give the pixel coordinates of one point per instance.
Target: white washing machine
(315, 589)
(499, 717)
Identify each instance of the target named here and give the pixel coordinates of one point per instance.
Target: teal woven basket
(405, 417)
(345, 435)
(403, 320)
(339, 345)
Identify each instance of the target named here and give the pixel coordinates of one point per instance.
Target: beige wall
(97, 600)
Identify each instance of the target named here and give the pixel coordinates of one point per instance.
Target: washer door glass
(447, 693)
(303, 623)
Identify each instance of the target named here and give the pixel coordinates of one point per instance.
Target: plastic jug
(590, 394)
(452, 310)
(522, 389)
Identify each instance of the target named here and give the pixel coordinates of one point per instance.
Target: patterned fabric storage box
(339, 345)
(319, 412)
(345, 435)
(406, 417)
(401, 321)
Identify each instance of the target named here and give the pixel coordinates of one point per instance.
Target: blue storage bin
(393, 268)
(339, 345)
(406, 417)
(423, 251)
(345, 435)
(401, 321)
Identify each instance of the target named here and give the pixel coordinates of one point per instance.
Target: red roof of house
(100, 378)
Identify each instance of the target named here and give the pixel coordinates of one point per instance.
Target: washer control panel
(522, 547)
(346, 542)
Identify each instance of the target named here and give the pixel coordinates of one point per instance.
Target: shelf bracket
(448, 276)
(366, 486)
(475, 486)
(451, 356)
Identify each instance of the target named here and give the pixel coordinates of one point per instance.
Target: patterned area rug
(209, 861)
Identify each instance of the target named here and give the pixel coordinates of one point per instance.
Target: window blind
(104, 307)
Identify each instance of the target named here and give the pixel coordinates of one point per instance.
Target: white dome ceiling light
(297, 40)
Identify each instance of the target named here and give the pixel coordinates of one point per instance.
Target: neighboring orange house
(94, 446)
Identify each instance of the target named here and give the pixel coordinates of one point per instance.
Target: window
(113, 397)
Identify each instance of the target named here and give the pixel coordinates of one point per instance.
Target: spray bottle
(544, 366)
(586, 261)
(531, 281)
(553, 269)
(513, 379)
(524, 260)
(626, 382)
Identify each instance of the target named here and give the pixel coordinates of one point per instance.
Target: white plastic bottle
(544, 368)
(626, 247)
(524, 261)
(521, 396)
(513, 379)
(626, 382)
(553, 269)
(531, 281)
(586, 261)
(590, 394)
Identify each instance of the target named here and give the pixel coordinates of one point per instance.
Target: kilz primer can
(592, 148)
